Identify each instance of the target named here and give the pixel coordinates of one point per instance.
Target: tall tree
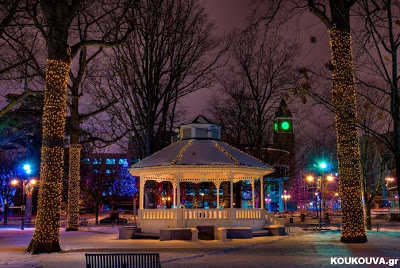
(377, 158)
(77, 90)
(379, 44)
(172, 54)
(54, 20)
(344, 100)
(262, 71)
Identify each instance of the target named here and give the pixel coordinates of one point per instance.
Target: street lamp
(27, 187)
(27, 169)
(390, 192)
(285, 198)
(310, 178)
(322, 165)
(329, 178)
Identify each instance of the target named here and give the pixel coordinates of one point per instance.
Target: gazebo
(200, 156)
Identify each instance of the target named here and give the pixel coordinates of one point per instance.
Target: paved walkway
(298, 249)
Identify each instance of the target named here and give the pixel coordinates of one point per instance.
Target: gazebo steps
(261, 233)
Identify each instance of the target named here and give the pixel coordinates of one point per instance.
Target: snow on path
(298, 249)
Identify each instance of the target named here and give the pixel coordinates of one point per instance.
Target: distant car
(111, 220)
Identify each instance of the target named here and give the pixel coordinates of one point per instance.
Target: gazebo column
(178, 192)
(174, 194)
(252, 192)
(217, 185)
(262, 200)
(141, 192)
(231, 185)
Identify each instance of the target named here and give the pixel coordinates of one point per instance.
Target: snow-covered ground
(297, 249)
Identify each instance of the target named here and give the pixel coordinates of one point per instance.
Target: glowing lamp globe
(322, 165)
(27, 169)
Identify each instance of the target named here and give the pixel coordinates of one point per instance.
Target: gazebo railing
(157, 214)
(248, 213)
(205, 214)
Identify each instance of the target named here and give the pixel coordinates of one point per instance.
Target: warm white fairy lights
(73, 187)
(226, 153)
(180, 154)
(46, 235)
(344, 98)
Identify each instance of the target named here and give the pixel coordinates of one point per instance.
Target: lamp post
(26, 188)
(391, 196)
(316, 202)
(285, 197)
(202, 194)
(310, 179)
(320, 206)
(322, 166)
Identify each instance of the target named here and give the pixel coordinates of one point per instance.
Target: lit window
(123, 161)
(96, 161)
(86, 161)
(110, 161)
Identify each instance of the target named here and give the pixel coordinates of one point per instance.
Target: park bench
(123, 260)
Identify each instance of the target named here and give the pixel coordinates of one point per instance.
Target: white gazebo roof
(201, 153)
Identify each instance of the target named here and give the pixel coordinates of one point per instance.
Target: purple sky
(229, 14)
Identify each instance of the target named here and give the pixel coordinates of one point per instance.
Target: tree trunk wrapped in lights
(73, 187)
(344, 98)
(46, 235)
(53, 20)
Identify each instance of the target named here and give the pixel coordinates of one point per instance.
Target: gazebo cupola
(200, 128)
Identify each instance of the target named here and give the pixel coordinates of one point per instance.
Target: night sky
(228, 14)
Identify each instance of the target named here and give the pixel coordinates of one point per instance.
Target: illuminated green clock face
(285, 125)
